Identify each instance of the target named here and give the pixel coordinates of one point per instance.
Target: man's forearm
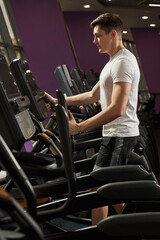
(99, 119)
(79, 99)
(85, 98)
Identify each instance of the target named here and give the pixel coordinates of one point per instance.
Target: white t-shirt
(122, 67)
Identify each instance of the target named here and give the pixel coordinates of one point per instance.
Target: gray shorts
(114, 151)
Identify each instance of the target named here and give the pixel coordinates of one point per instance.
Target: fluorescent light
(154, 5)
(125, 32)
(152, 25)
(87, 6)
(145, 17)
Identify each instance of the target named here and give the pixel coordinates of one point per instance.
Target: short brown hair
(108, 22)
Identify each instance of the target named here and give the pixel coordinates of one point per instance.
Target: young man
(117, 91)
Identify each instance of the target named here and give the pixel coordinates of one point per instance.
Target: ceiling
(130, 11)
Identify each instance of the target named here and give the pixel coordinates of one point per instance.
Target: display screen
(7, 81)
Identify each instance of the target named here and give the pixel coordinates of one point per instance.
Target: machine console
(27, 85)
(15, 120)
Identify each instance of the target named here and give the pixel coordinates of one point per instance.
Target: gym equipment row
(49, 172)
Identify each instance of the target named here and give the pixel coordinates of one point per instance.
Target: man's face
(102, 40)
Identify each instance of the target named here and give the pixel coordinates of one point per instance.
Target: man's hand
(74, 127)
(51, 99)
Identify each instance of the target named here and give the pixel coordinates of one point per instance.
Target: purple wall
(46, 45)
(148, 46)
(82, 37)
(44, 38)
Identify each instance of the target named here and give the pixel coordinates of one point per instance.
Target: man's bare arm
(116, 109)
(80, 99)
(85, 98)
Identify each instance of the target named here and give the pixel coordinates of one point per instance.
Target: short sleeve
(122, 71)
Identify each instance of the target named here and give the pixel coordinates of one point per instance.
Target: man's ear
(114, 33)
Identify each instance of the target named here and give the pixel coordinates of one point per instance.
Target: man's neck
(116, 49)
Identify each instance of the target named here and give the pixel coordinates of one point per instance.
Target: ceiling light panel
(144, 17)
(152, 25)
(86, 6)
(154, 5)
